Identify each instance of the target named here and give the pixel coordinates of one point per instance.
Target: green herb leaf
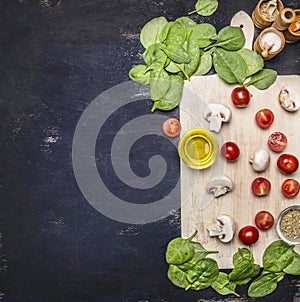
(294, 267)
(151, 31)
(263, 79)
(230, 66)
(223, 286)
(180, 250)
(194, 54)
(186, 22)
(177, 276)
(176, 53)
(203, 34)
(207, 271)
(171, 99)
(264, 284)
(277, 256)
(205, 7)
(159, 83)
(231, 38)
(205, 64)
(253, 60)
(173, 33)
(153, 54)
(138, 74)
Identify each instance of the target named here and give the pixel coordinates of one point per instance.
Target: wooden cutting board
(198, 208)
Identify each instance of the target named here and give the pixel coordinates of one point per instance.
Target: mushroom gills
(219, 185)
(289, 99)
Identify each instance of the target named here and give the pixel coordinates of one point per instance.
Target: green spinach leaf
(173, 34)
(151, 31)
(264, 284)
(186, 22)
(153, 54)
(172, 98)
(205, 64)
(277, 256)
(253, 60)
(138, 74)
(230, 66)
(203, 34)
(180, 250)
(230, 38)
(294, 267)
(159, 83)
(177, 276)
(223, 286)
(205, 7)
(262, 79)
(176, 53)
(207, 271)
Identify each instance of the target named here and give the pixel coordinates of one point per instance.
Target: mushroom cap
(260, 160)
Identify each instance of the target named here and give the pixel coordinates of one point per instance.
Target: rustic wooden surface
(199, 209)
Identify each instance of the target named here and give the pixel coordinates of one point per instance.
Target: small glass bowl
(290, 241)
(198, 148)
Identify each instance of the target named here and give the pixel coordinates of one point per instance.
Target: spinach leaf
(151, 31)
(180, 250)
(174, 67)
(153, 53)
(173, 34)
(223, 286)
(205, 64)
(177, 276)
(194, 54)
(207, 271)
(138, 74)
(205, 7)
(230, 66)
(171, 99)
(186, 22)
(253, 60)
(176, 53)
(243, 266)
(203, 34)
(294, 267)
(264, 284)
(159, 83)
(277, 256)
(263, 79)
(230, 38)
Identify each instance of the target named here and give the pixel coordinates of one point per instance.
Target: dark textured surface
(55, 58)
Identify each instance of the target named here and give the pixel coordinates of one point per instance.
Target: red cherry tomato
(240, 97)
(172, 127)
(264, 118)
(287, 163)
(264, 220)
(248, 234)
(261, 186)
(230, 151)
(290, 188)
(277, 141)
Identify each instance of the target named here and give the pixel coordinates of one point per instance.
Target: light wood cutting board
(198, 208)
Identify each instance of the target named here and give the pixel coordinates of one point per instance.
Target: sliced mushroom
(289, 99)
(260, 160)
(216, 114)
(224, 228)
(219, 185)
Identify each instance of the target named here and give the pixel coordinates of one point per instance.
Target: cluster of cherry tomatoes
(286, 163)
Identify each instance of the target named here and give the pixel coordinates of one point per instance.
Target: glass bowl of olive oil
(198, 148)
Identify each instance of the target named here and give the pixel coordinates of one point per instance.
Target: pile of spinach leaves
(189, 268)
(177, 50)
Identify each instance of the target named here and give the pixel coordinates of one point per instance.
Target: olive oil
(198, 148)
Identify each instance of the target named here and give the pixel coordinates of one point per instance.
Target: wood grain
(198, 208)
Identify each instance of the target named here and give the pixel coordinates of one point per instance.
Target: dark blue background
(55, 58)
